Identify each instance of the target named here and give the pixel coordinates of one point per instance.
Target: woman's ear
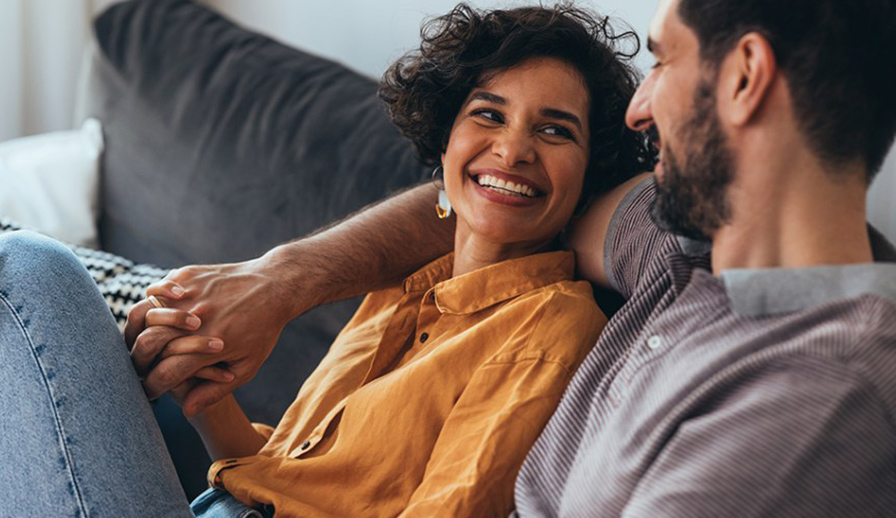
(745, 78)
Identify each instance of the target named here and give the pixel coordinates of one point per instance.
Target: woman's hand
(163, 338)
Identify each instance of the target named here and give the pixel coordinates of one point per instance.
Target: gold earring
(443, 208)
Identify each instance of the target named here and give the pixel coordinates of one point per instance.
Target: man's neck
(793, 216)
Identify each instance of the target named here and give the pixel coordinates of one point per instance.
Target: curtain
(41, 45)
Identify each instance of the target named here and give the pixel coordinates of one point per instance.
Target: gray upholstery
(222, 143)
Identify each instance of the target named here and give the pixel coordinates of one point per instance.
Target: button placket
(428, 316)
(651, 345)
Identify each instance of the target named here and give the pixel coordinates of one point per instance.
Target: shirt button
(654, 342)
(306, 444)
(424, 337)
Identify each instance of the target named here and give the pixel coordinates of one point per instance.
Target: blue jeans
(77, 435)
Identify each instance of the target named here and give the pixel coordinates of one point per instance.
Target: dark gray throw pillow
(222, 142)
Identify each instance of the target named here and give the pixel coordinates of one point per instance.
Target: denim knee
(26, 249)
(41, 271)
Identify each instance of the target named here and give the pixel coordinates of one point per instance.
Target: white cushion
(50, 182)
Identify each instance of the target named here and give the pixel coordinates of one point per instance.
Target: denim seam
(59, 428)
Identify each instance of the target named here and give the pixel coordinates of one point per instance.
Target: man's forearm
(371, 249)
(247, 304)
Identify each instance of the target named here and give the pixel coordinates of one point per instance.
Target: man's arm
(589, 233)
(248, 304)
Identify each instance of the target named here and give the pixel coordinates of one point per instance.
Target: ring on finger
(156, 303)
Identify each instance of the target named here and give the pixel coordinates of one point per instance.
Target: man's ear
(746, 77)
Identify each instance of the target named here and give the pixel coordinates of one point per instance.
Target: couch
(220, 144)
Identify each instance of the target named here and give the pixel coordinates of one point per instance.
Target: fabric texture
(77, 435)
(430, 398)
(688, 408)
(215, 503)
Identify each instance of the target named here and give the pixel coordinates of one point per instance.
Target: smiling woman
(464, 362)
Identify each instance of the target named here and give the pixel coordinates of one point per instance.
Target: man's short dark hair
(837, 57)
(426, 88)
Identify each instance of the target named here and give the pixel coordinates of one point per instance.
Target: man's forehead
(663, 26)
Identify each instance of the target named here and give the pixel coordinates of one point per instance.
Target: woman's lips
(511, 182)
(518, 195)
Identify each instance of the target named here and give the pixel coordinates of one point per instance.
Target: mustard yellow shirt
(430, 398)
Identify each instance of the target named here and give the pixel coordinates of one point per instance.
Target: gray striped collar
(769, 291)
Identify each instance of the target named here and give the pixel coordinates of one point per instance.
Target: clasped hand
(219, 324)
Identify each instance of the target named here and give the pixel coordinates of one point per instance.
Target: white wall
(368, 37)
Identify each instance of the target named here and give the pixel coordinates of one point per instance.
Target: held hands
(219, 324)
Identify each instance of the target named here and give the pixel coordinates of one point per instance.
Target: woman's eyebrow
(562, 115)
(488, 97)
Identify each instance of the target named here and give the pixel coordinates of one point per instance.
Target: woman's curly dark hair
(425, 89)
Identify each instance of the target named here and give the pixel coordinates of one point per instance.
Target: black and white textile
(122, 282)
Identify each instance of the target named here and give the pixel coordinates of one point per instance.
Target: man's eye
(656, 64)
(489, 115)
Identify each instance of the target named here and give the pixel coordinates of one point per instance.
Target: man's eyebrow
(562, 115)
(652, 45)
(488, 97)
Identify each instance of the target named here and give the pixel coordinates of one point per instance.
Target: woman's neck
(473, 251)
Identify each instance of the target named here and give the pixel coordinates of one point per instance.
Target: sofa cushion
(222, 143)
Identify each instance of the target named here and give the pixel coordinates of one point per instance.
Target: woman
(430, 398)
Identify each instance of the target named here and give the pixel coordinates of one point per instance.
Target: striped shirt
(757, 393)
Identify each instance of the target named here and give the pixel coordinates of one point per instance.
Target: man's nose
(514, 147)
(639, 116)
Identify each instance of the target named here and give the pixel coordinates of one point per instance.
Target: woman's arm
(226, 431)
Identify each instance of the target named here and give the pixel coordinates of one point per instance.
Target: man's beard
(692, 200)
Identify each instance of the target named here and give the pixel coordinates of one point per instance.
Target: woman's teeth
(505, 187)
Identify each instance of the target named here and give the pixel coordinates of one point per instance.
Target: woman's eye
(559, 131)
(489, 115)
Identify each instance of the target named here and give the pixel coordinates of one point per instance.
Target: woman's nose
(514, 147)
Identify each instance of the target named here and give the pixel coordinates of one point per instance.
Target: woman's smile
(506, 188)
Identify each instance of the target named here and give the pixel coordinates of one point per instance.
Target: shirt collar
(769, 291)
(492, 284)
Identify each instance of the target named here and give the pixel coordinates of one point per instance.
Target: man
(752, 371)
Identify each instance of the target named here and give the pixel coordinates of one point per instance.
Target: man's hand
(248, 304)
(245, 305)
